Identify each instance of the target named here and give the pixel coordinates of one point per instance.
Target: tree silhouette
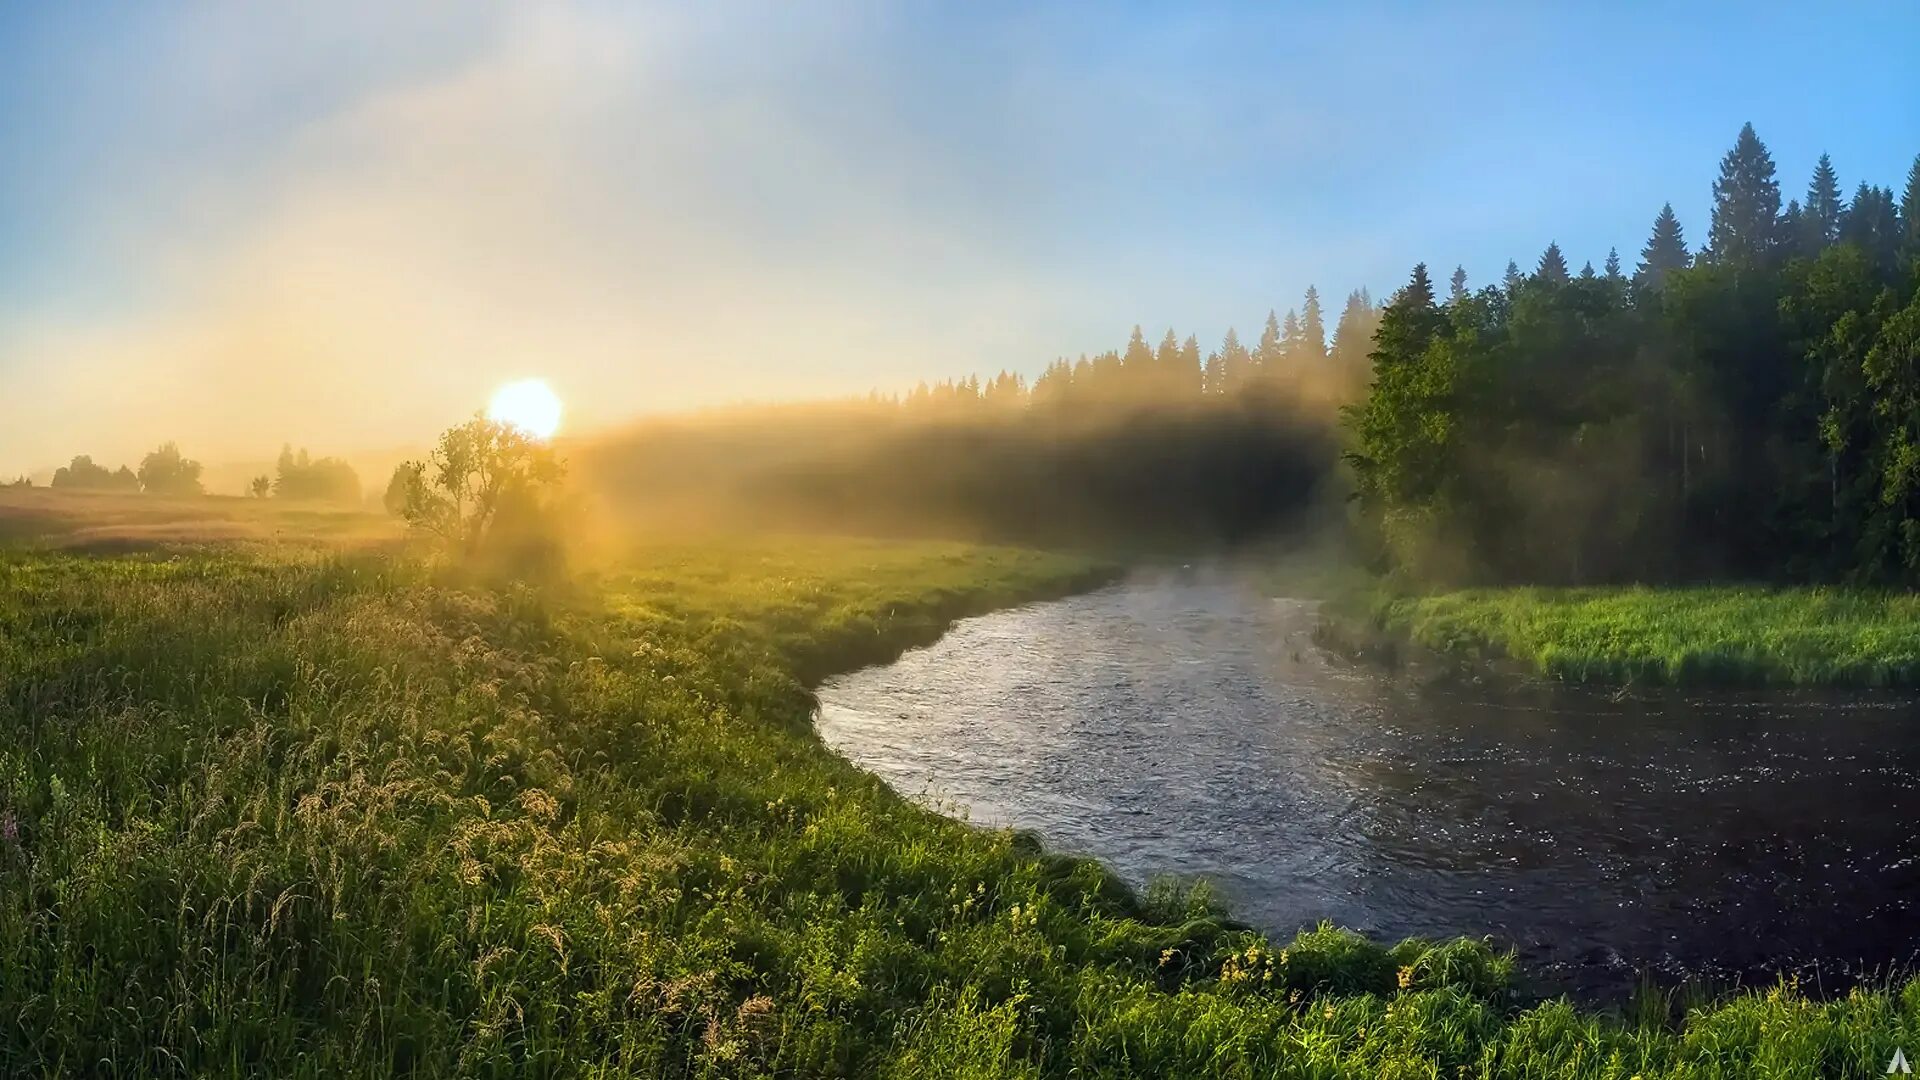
(1746, 205)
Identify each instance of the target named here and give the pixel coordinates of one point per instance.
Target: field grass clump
(1687, 635)
(325, 815)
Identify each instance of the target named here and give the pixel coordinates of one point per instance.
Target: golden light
(528, 404)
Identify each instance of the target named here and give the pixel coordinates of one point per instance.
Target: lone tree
(484, 476)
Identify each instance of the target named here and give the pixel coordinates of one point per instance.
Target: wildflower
(1406, 978)
(1166, 957)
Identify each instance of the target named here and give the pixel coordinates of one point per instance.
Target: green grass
(301, 814)
(1743, 635)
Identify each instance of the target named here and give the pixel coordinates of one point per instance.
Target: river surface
(1184, 723)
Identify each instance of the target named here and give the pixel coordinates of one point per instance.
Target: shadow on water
(1185, 724)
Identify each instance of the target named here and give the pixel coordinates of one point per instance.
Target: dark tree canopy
(1666, 249)
(1820, 215)
(1746, 205)
(1553, 266)
(1753, 414)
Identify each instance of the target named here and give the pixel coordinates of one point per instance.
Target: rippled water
(1185, 723)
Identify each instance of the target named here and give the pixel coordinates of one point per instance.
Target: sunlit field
(294, 810)
(1749, 636)
(100, 522)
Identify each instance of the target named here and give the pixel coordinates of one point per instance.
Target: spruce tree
(1417, 294)
(1746, 205)
(1167, 357)
(1290, 350)
(1666, 250)
(1910, 211)
(1236, 364)
(1457, 285)
(1512, 279)
(1270, 353)
(1190, 362)
(1586, 271)
(1313, 327)
(1613, 264)
(1553, 266)
(1820, 214)
(1211, 380)
(1794, 234)
(1353, 336)
(1872, 222)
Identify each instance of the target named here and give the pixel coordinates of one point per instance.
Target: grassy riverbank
(1723, 635)
(307, 814)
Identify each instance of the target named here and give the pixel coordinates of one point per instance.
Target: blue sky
(344, 224)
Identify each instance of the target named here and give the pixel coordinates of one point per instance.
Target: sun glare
(528, 404)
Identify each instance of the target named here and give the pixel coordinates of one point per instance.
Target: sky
(343, 225)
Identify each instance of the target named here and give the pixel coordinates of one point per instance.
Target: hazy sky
(343, 224)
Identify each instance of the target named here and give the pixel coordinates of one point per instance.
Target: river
(1184, 723)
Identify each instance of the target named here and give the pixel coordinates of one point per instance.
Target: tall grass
(305, 816)
(1748, 635)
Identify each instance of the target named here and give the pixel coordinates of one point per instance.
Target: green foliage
(1666, 250)
(1746, 205)
(81, 474)
(1743, 417)
(485, 483)
(166, 472)
(299, 476)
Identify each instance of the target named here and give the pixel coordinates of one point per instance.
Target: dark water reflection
(1185, 724)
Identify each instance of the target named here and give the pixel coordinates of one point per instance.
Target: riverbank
(1750, 636)
(338, 815)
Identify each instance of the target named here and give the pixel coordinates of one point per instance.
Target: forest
(1153, 446)
(1746, 411)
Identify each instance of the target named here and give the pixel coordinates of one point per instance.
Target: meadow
(303, 811)
(1755, 636)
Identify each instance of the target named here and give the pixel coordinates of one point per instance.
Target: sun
(528, 404)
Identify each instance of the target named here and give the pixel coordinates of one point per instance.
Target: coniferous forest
(1749, 409)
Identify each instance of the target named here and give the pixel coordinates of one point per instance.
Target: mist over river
(1184, 723)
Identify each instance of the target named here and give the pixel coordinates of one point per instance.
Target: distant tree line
(1293, 358)
(1750, 411)
(299, 475)
(164, 471)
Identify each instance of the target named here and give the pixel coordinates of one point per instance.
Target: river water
(1184, 723)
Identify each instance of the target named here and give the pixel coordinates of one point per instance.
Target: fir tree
(1190, 362)
(1290, 341)
(1236, 364)
(1746, 205)
(1457, 285)
(1820, 214)
(1167, 357)
(1666, 250)
(1872, 222)
(1211, 380)
(1586, 271)
(1269, 354)
(1553, 266)
(1613, 264)
(1313, 327)
(1417, 294)
(1910, 211)
(1512, 279)
(1353, 336)
(1138, 357)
